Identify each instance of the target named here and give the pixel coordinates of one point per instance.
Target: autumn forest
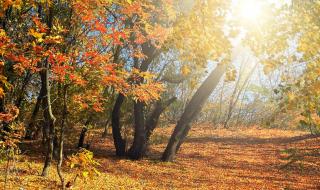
(159, 94)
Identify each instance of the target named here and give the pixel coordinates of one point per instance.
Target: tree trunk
(23, 88)
(49, 118)
(138, 148)
(83, 133)
(184, 134)
(82, 137)
(153, 119)
(105, 131)
(236, 94)
(31, 126)
(191, 111)
(63, 121)
(119, 142)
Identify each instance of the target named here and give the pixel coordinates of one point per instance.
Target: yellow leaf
(185, 70)
(37, 35)
(1, 93)
(85, 174)
(291, 96)
(96, 171)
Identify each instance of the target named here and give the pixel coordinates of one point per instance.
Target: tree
(71, 45)
(203, 29)
(191, 111)
(296, 50)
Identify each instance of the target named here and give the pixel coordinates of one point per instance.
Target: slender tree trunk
(4, 126)
(49, 119)
(236, 94)
(232, 102)
(63, 121)
(2, 123)
(2, 105)
(153, 119)
(241, 106)
(216, 120)
(84, 133)
(3, 22)
(105, 131)
(82, 137)
(23, 88)
(191, 111)
(119, 142)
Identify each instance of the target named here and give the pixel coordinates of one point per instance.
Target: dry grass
(209, 159)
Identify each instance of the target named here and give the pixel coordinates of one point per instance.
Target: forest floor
(246, 158)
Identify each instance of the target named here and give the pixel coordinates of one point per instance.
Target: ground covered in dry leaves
(247, 158)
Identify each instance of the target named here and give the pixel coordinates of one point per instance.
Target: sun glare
(249, 10)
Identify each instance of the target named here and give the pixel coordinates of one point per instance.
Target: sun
(249, 10)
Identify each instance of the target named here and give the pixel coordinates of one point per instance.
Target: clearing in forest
(247, 158)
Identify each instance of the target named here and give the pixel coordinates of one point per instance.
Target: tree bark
(105, 131)
(231, 103)
(84, 132)
(138, 147)
(153, 119)
(24, 85)
(82, 137)
(191, 111)
(30, 127)
(119, 142)
(63, 121)
(236, 94)
(49, 118)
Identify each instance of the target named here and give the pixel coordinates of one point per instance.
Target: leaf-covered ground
(250, 158)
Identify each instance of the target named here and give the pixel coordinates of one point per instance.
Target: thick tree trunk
(138, 147)
(119, 142)
(191, 111)
(184, 134)
(49, 119)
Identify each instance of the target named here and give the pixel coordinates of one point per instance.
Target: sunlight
(249, 10)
